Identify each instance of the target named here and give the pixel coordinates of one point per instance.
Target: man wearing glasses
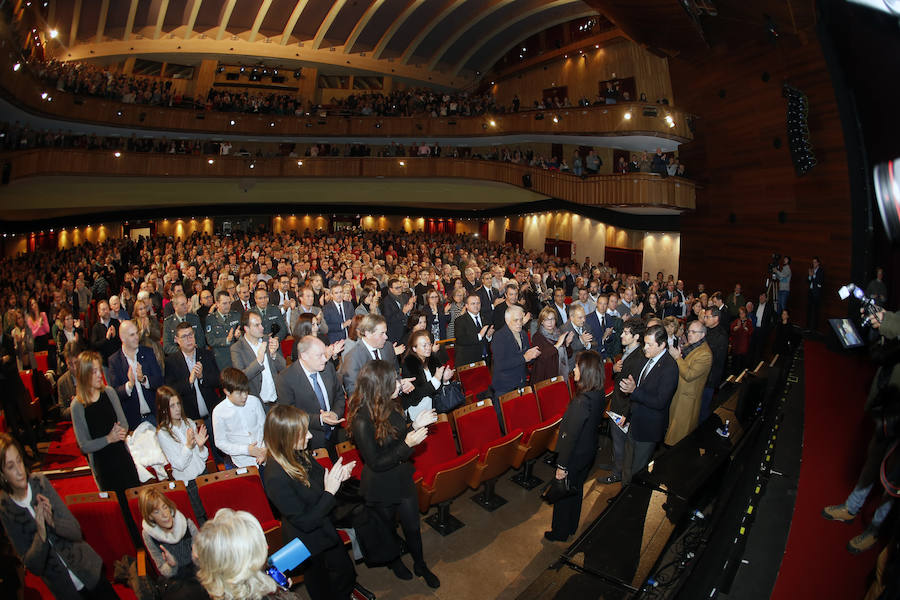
(694, 362)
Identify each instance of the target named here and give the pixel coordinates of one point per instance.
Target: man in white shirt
(259, 356)
(238, 422)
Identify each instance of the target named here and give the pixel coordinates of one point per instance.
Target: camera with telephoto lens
(869, 306)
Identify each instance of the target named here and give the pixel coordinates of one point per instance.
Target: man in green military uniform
(223, 328)
(270, 315)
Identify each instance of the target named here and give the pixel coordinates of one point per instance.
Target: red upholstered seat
(520, 410)
(103, 526)
(475, 378)
(174, 490)
(477, 429)
(240, 489)
(287, 347)
(609, 381)
(437, 449)
(553, 397)
(41, 359)
(28, 382)
(451, 353)
(321, 456)
(348, 452)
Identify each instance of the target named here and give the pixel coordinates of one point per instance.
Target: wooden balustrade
(636, 189)
(606, 120)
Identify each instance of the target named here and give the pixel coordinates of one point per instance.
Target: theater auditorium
(407, 299)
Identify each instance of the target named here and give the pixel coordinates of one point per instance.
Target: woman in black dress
(577, 445)
(303, 492)
(385, 441)
(100, 429)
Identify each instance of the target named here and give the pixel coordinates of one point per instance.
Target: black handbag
(448, 397)
(557, 489)
(378, 541)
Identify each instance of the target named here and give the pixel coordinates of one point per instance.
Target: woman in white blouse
(183, 443)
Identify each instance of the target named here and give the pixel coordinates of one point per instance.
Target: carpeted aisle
(835, 434)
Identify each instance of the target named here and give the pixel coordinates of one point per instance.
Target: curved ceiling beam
(292, 21)
(192, 18)
(533, 31)
(257, 22)
(327, 22)
(129, 23)
(434, 22)
(361, 24)
(101, 20)
(389, 34)
(162, 7)
(226, 16)
(464, 28)
(76, 16)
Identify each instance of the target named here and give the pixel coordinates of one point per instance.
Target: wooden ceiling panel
(346, 21)
(414, 25)
(449, 25)
(483, 30)
(243, 15)
(278, 14)
(176, 14)
(116, 18)
(311, 18)
(209, 15)
(378, 24)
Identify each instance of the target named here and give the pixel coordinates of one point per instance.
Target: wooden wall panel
(581, 73)
(747, 182)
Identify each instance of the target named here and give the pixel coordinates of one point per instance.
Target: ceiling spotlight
(117, 154)
(17, 66)
(210, 161)
(628, 116)
(54, 34)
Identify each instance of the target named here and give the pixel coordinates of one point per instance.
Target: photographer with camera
(883, 405)
(782, 274)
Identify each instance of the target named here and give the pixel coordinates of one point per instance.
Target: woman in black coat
(577, 445)
(303, 492)
(385, 442)
(427, 370)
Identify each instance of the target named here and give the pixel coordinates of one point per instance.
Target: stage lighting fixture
(54, 34)
(210, 161)
(628, 116)
(17, 66)
(492, 123)
(887, 196)
(117, 154)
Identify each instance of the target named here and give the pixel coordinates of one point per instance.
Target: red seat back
(238, 489)
(520, 410)
(41, 359)
(439, 447)
(348, 452)
(475, 378)
(476, 425)
(103, 526)
(451, 354)
(553, 397)
(321, 456)
(28, 382)
(174, 490)
(287, 347)
(609, 382)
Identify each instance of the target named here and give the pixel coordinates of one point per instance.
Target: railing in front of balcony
(636, 189)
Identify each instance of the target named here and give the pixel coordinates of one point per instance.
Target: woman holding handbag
(429, 374)
(577, 445)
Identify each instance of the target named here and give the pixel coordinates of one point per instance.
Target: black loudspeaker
(5, 173)
(526, 180)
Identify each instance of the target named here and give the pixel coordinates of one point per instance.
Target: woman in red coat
(741, 330)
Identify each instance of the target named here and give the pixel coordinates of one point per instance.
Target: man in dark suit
(180, 315)
(194, 374)
(135, 375)
(469, 281)
(605, 329)
(177, 288)
(559, 304)
(814, 298)
(312, 385)
(763, 319)
(630, 365)
(671, 300)
(717, 338)
(651, 395)
(583, 338)
(338, 314)
(489, 297)
(244, 301)
(569, 281)
(105, 333)
(395, 307)
(510, 298)
(473, 334)
(283, 295)
(511, 356)
(270, 315)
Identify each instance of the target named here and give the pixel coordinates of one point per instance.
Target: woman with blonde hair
(230, 553)
(168, 535)
(149, 331)
(303, 492)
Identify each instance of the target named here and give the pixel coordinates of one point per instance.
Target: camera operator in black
(883, 404)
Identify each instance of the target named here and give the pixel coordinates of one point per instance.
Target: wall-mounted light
(628, 116)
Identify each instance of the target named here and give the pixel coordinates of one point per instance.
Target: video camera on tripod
(869, 306)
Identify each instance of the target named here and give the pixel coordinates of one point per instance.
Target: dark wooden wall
(747, 182)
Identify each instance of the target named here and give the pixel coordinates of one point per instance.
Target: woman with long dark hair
(183, 443)
(577, 445)
(385, 442)
(303, 492)
(429, 373)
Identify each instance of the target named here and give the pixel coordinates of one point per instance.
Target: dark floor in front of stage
(498, 554)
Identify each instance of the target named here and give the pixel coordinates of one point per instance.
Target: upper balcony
(33, 174)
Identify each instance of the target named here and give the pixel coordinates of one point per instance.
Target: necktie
(341, 311)
(644, 371)
(478, 322)
(377, 356)
(314, 379)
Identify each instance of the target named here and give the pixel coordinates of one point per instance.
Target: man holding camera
(883, 404)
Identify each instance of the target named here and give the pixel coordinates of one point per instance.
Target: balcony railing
(636, 189)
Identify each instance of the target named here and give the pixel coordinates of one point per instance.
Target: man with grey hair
(312, 385)
(116, 310)
(511, 355)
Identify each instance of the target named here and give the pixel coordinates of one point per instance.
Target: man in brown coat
(694, 362)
